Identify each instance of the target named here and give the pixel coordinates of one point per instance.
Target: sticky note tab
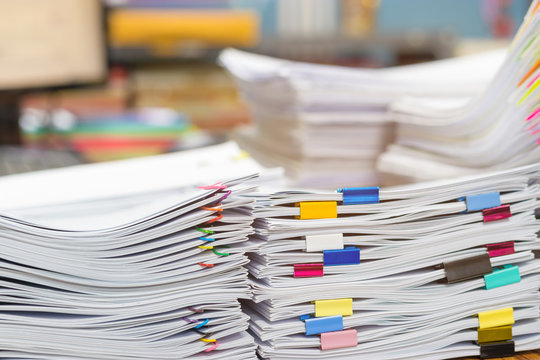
(483, 201)
(339, 339)
(468, 268)
(495, 318)
(333, 307)
(500, 333)
(360, 195)
(348, 256)
(317, 210)
(324, 324)
(501, 277)
(308, 270)
(324, 242)
(497, 213)
(500, 249)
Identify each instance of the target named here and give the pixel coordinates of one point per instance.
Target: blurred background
(92, 80)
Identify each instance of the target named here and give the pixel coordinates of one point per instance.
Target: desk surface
(527, 355)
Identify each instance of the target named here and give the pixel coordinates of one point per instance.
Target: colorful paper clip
(507, 275)
(468, 268)
(497, 213)
(348, 256)
(360, 195)
(495, 318)
(333, 307)
(218, 186)
(500, 249)
(482, 201)
(308, 270)
(324, 324)
(324, 242)
(317, 210)
(500, 333)
(339, 339)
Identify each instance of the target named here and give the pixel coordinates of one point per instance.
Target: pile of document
(426, 271)
(495, 130)
(129, 274)
(327, 125)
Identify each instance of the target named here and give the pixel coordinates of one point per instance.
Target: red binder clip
(497, 213)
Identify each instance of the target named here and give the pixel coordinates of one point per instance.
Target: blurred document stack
(495, 130)
(428, 271)
(127, 275)
(326, 125)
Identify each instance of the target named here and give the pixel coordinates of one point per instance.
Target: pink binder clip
(308, 270)
(500, 249)
(496, 213)
(339, 339)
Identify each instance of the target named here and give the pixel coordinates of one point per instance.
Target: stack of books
(427, 271)
(327, 125)
(495, 130)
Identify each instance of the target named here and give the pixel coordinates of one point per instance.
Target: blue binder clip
(483, 201)
(360, 195)
(348, 256)
(324, 324)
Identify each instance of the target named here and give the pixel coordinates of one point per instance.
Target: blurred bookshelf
(162, 55)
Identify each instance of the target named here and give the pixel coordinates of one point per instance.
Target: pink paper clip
(497, 213)
(213, 347)
(499, 249)
(339, 339)
(308, 270)
(218, 185)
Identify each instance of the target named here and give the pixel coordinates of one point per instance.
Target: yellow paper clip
(500, 333)
(495, 318)
(317, 210)
(333, 307)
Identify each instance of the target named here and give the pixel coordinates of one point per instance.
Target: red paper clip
(308, 270)
(497, 213)
(206, 265)
(499, 249)
(214, 219)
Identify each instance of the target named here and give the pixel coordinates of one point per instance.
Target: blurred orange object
(168, 29)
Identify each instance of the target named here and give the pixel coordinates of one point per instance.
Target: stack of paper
(126, 273)
(428, 271)
(327, 124)
(496, 130)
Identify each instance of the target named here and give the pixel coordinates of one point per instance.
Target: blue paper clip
(483, 201)
(324, 324)
(348, 256)
(360, 195)
(206, 238)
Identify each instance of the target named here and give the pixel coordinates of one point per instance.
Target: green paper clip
(508, 274)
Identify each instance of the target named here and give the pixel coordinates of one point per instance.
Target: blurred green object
(105, 137)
